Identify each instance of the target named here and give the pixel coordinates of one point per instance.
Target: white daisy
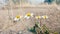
(17, 18)
(37, 17)
(28, 15)
(44, 17)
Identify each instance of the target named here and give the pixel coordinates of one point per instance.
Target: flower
(28, 15)
(38, 17)
(44, 17)
(17, 18)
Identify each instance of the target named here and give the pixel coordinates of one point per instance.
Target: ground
(7, 25)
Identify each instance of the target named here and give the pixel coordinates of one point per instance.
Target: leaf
(32, 30)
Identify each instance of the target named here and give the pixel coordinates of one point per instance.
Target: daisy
(28, 15)
(38, 17)
(44, 17)
(17, 18)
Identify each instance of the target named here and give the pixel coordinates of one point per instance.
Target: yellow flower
(45, 17)
(28, 15)
(38, 17)
(17, 18)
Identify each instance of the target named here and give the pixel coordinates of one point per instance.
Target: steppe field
(7, 26)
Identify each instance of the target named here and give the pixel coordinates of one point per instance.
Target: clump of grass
(39, 30)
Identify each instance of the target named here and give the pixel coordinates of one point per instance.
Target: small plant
(45, 29)
(32, 30)
(39, 30)
(35, 28)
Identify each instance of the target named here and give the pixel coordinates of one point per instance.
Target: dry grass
(53, 22)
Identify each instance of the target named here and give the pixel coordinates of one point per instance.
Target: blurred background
(27, 2)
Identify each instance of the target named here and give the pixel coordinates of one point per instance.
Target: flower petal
(28, 17)
(15, 19)
(32, 14)
(25, 16)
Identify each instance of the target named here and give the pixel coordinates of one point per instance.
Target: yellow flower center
(17, 16)
(44, 17)
(28, 14)
(38, 17)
